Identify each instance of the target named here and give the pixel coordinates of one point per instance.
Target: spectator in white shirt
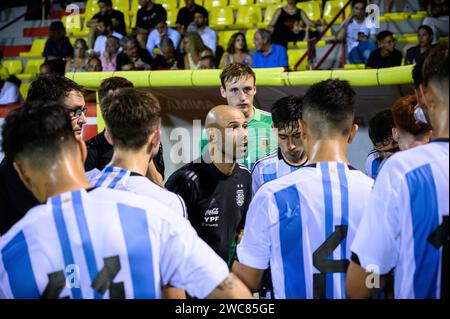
(359, 33)
(208, 35)
(9, 93)
(161, 31)
(105, 28)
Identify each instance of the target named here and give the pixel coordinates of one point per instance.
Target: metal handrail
(342, 11)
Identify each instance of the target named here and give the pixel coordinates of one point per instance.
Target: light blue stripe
(85, 238)
(116, 179)
(294, 168)
(376, 166)
(291, 242)
(344, 217)
(328, 202)
(425, 220)
(17, 263)
(267, 177)
(136, 233)
(64, 239)
(105, 174)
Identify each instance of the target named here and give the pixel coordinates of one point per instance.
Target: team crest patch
(240, 197)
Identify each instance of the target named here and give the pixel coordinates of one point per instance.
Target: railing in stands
(316, 40)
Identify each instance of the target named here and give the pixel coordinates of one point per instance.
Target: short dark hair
(236, 71)
(107, 2)
(131, 115)
(37, 135)
(333, 103)
(52, 88)
(380, 126)
(417, 73)
(111, 84)
(210, 59)
(231, 43)
(265, 34)
(427, 28)
(355, 2)
(435, 66)
(384, 34)
(107, 22)
(166, 42)
(287, 111)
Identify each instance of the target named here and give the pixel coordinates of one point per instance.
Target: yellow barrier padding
(396, 75)
(206, 77)
(138, 78)
(306, 78)
(171, 78)
(354, 66)
(272, 76)
(357, 77)
(91, 80)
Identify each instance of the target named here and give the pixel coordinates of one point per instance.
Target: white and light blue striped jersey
(303, 225)
(105, 243)
(122, 179)
(406, 224)
(373, 164)
(271, 167)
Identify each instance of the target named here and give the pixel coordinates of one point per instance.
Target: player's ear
(427, 96)
(395, 134)
(222, 92)
(153, 141)
(23, 174)
(353, 132)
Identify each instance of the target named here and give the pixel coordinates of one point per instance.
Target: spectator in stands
(109, 57)
(169, 58)
(386, 55)
(80, 58)
(161, 31)
(133, 57)
(359, 33)
(437, 19)
(237, 51)
(105, 29)
(58, 47)
(200, 25)
(195, 49)
(186, 15)
(418, 53)
(46, 69)
(207, 62)
(9, 92)
(268, 54)
(290, 24)
(147, 18)
(107, 12)
(408, 132)
(94, 65)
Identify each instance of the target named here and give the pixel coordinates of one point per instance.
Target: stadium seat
(354, 66)
(304, 44)
(267, 3)
(208, 4)
(394, 17)
(311, 8)
(37, 48)
(14, 67)
(23, 89)
(249, 35)
(168, 4)
(134, 8)
(235, 4)
(419, 15)
(268, 14)
(31, 70)
(248, 17)
(91, 7)
(172, 17)
(332, 8)
(224, 38)
(220, 18)
(72, 24)
(121, 5)
(407, 38)
(294, 56)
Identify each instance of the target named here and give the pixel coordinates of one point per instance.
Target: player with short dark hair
(404, 229)
(302, 224)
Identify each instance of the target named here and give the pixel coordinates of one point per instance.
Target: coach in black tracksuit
(217, 190)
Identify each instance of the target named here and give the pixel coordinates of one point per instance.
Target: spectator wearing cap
(200, 25)
(268, 54)
(186, 15)
(104, 27)
(418, 52)
(147, 18)
(386, 55)
(161, 31)
(58, 48)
